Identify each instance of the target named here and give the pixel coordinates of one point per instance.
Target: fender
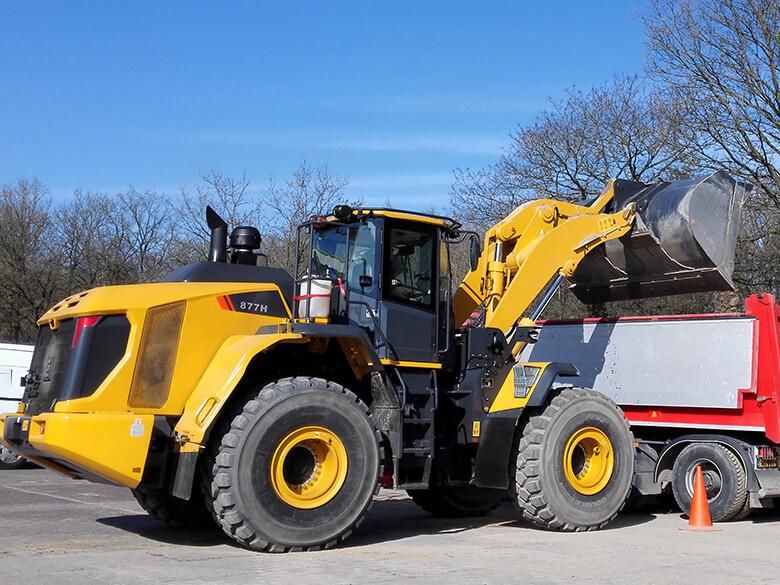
(500, 424)
(208, 398)
(214, 388)
(234, 356)
(741, 449)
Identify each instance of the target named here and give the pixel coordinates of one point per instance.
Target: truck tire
(457, 501)
(174, 511)
(724, 477)
(574, 463)
(297, 469)
(10, 460)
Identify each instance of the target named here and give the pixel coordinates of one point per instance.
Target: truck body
(686, 380)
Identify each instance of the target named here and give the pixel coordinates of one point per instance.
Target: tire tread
(529, 495)
(216, 479)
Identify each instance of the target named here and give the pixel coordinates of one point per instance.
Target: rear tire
(457, 501)
(574, 463)
(173, 511)
(10, 460)
(724, 476)
(297, 469)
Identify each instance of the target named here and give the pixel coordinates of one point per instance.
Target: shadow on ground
(388, 520)
(147, 527)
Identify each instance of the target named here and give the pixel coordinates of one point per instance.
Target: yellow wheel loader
(276, 406)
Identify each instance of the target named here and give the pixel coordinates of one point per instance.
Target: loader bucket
(683, 240)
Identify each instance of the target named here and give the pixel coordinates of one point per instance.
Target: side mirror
(475, 252)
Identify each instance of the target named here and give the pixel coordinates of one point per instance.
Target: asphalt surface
(56, 530)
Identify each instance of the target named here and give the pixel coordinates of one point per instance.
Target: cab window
(409, 266)
(362, 256)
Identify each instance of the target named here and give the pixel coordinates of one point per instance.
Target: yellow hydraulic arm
(523, 252)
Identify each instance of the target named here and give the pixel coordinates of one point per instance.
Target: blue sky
(392, 96)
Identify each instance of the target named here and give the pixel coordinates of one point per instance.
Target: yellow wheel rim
(588, 461)
(308, 467)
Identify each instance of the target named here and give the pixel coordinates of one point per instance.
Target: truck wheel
(10, 460)
(457, 501)
(724, 479)
(298, 468)
(174, 511)
(575, 463)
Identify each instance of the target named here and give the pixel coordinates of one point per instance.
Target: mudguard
(214, 388)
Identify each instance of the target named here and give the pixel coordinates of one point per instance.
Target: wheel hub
(588, 461)
(713, 479)
(308, 467)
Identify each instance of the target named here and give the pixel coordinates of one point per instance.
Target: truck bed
(690, 371)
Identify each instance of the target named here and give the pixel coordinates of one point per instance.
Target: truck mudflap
(112, 448)
(684, 240)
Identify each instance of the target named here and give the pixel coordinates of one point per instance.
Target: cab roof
(428, 218)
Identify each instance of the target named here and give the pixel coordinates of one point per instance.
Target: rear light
(81, 324)
(766, 457)
(157, 356)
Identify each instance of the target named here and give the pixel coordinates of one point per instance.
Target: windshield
(329, 255)
(329, 252)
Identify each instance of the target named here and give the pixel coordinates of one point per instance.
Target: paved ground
(55, 530)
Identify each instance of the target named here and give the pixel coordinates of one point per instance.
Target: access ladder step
(417, 421)
(427, 392)
(417, 450)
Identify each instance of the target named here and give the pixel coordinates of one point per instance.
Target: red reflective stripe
(304, 297)
(222, 303)
(81, 324)
(230, 302)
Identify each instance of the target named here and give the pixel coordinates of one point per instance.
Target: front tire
(574, 463)
(298, 468)
(457, 501)
(724, 478)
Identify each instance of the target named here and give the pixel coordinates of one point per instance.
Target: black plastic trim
(547, 379)
(223, 272)
(495, 449)
(334, 331)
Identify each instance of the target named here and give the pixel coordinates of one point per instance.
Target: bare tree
(308, 192)
(722, 58)
(619, 130)
(146, 226)
(229, 196)
(30, 271)
(89, 245)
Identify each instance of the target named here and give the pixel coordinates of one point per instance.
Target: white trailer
(14, 364)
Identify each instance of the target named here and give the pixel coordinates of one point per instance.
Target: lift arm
(523, 252)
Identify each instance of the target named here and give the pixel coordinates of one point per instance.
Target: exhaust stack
(218, 227)
(684, 240)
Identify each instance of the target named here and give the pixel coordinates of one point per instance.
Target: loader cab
(385, 271)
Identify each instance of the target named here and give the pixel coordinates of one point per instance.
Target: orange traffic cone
(699, 517)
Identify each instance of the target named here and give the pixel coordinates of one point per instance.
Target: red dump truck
(697, 390)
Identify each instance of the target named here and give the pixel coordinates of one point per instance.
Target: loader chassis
(279, 405)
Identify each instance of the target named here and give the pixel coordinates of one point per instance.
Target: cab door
(408, 313)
